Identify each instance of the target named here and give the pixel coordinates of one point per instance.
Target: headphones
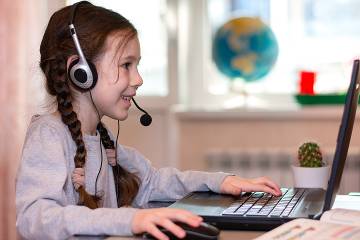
(82, 72)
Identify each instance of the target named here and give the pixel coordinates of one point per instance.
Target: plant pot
(310, 177)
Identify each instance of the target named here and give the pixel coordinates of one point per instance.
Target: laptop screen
(344, 136)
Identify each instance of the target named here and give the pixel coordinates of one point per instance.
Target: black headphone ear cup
(94, 73)
(83, 77)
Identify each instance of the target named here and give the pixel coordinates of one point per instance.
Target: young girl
(71, 180)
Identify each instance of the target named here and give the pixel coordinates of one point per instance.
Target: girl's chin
(119, 116)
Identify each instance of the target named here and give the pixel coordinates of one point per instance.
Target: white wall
(182, 139)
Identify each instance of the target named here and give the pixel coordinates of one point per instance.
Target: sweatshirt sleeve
(166, 184)
(42, 208)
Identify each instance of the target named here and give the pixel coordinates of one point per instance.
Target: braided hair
(94, 24)
(122, 178)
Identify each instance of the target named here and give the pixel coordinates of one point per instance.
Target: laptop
(262, 211)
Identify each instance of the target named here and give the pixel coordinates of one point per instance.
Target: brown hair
(93, 25)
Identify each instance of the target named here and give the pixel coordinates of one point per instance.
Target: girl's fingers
(271, 184)
(155, 232)
(268, 190)
(236, 185)
(186, 217)
(179, 215)
(255, 187)
(172, 227)
(274, 186)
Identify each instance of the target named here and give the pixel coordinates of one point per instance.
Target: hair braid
(57, 72)
(128, 182)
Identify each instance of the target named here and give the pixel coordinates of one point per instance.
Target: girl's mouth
(126, 98)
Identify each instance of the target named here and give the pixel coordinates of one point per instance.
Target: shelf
(321, 99)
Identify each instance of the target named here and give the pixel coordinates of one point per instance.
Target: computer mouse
(204, 232)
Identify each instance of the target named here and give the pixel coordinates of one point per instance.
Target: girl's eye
(126, 65)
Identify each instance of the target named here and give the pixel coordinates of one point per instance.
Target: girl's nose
(137, 80)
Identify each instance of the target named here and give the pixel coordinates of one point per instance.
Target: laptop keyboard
(265, 204)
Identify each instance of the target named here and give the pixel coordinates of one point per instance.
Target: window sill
(296, 114)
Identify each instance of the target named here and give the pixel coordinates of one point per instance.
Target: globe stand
(238, 87)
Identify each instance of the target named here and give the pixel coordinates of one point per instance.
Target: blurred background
(243, 107)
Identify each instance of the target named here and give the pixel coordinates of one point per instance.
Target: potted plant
(310, 171)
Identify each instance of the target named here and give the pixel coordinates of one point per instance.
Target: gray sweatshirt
(46, 199)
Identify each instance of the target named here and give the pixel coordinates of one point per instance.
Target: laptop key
(265, 211)
(275, 214)
(257, 214)
(285, 214)
(230, 210)
(252, 213)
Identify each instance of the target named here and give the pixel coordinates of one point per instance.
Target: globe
(245, 48)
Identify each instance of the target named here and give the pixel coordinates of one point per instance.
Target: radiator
(276, 164)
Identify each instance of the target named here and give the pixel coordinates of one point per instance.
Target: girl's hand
(235, 185)
(149, 220)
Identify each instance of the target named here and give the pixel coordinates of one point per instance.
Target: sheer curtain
(21, 28)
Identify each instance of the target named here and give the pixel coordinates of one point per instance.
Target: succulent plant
(309, 155)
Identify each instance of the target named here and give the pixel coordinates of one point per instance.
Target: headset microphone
(145, 119)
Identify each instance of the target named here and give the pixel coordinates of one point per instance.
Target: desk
(341, 201)
(347, 202)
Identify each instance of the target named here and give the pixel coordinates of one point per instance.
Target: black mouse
(204, 232)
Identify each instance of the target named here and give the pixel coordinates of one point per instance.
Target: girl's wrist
(215, 182)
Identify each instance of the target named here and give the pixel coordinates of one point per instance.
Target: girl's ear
(70, 60)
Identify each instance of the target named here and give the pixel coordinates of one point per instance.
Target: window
(176, 41)
(149, 20)
(321, 36)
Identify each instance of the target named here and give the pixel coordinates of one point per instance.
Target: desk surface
(224, 235)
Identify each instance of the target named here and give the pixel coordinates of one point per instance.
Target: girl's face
(118, 75)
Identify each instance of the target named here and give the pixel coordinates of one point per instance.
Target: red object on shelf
(307, 81)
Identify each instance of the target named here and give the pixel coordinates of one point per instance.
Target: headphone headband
(73, 10)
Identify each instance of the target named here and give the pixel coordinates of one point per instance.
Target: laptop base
(211, 206)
